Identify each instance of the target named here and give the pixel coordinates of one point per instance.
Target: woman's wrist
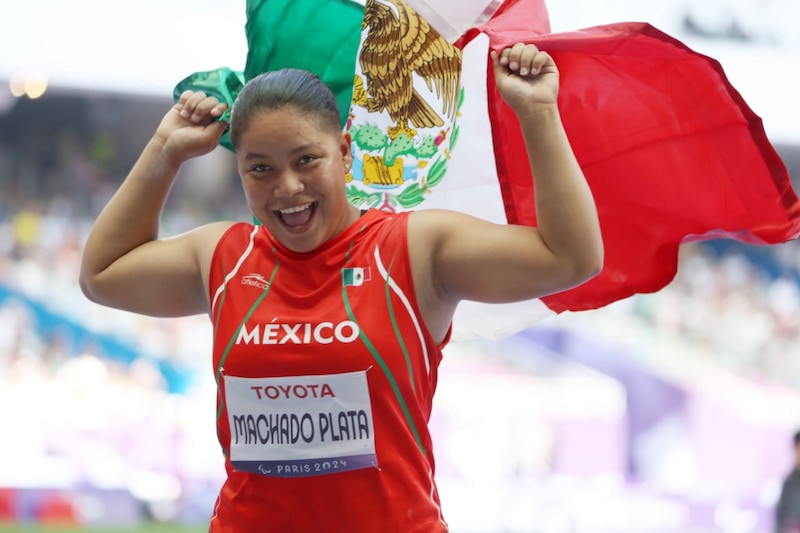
(161, 158)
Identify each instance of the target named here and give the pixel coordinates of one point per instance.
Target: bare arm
(461, 257)
(125, 265)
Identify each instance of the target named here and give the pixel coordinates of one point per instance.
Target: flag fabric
(321, 36)
(669, 148)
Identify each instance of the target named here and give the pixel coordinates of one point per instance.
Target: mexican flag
(670, 149)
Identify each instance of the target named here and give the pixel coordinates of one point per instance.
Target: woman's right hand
(190, 128)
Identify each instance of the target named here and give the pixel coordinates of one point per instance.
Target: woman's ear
(347, 150)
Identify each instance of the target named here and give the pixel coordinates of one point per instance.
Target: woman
(329, 322)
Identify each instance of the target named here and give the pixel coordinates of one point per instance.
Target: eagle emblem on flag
(406, 96)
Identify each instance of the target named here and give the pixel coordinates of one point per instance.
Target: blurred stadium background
(670, 412)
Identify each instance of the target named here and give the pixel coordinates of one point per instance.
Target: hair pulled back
(277, 89)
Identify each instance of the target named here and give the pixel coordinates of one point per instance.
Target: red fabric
(670, 150)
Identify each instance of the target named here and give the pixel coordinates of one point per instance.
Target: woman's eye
(306, 159)
(259, 168)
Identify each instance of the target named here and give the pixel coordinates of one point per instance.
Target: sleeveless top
(325, 375)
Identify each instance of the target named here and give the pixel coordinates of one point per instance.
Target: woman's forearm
(565, 209)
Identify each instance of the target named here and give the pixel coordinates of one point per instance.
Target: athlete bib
(301, 425)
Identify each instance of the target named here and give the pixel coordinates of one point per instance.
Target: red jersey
(326, 374)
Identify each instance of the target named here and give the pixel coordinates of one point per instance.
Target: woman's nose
(289, 185)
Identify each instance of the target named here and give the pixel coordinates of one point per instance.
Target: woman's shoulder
(212, 233)
(208, 236)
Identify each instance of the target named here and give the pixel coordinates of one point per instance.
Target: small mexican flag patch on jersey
(355, 277)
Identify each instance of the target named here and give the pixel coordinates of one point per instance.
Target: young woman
(328, 321)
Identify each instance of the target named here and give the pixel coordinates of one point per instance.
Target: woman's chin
(300, 239)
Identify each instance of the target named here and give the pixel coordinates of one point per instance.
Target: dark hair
(796, 437)
(288, 87)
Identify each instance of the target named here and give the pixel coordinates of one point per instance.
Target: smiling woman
(352, 308)
(293, 157)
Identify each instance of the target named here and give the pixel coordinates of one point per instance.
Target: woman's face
(293, 174)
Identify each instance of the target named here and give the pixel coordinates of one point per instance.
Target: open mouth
(299, 216)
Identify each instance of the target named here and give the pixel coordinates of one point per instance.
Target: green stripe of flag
(321, 36)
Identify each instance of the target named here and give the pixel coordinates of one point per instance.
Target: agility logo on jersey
(355, 277)
(255, 280)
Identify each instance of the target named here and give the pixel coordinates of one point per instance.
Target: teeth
(296, 209)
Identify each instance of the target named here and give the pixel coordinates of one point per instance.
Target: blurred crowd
(738, 304)
(80, 411)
